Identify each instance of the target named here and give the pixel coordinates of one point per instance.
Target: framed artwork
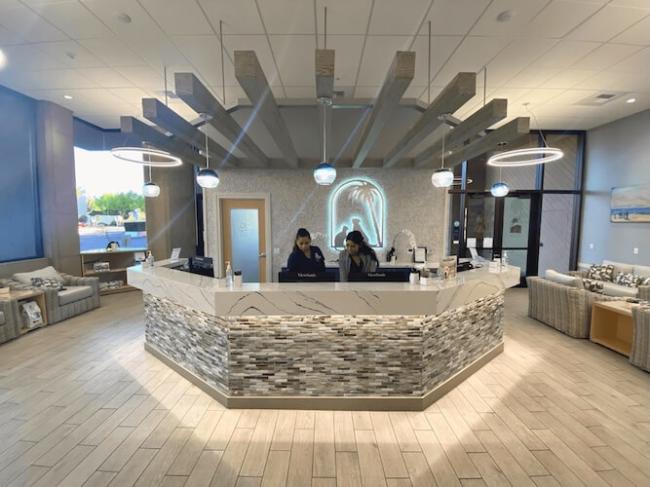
(630, 204)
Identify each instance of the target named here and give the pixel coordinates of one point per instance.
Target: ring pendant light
(527, 157)
(146, 156)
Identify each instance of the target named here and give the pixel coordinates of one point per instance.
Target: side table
(612, 325)
(23, 295)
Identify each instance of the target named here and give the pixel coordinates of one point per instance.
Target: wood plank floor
(81, 403)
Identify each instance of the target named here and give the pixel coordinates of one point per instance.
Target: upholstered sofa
(79, 294)
(640, 354)
(564, 301)
(9, 320)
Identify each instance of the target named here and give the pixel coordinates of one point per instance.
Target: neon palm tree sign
(357, 204)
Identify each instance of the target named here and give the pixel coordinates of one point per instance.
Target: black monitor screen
(202, 266)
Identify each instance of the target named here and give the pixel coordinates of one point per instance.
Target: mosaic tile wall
(324, 355)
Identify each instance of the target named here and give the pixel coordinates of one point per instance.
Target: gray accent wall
(618, 154)
(412, 203)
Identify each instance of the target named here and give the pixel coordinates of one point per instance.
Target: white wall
(297, 201)
(618, 154)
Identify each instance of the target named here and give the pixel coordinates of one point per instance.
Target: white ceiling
(551, 54)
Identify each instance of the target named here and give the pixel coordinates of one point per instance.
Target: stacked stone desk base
(326, 362)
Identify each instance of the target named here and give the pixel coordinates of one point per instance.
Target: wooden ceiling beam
(163, 116)
(501, 138)
(466, 131)
(460, 90)
(141, 132)
(254, 83)
(194, 93)
(399, 77)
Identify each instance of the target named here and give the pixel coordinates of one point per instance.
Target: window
(110, 204)
(19, 205)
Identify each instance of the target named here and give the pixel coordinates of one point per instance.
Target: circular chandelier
(146, 156)
(526, 157)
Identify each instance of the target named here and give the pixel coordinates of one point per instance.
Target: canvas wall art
(630, 204)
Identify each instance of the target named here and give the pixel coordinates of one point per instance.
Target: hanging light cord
(207, 151)
(223, 75)
(539, 129)
(429, 68)
(442, 156)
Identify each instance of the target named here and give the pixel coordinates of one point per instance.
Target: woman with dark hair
(357, 257)
(305, 258)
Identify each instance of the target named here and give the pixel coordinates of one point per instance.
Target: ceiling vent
(600, 98)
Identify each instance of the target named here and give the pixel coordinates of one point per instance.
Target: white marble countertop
(212, 296)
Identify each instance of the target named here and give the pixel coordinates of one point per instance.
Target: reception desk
(370, 346)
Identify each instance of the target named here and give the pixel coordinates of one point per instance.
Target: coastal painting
(630, 204)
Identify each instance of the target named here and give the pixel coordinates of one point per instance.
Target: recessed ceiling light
(505, 16)
(124, 18)
(630, 100)
(3, 59)
(67, 97)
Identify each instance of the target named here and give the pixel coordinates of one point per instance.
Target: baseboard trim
(342, 403)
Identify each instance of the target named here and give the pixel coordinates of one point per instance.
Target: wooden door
(244, 237)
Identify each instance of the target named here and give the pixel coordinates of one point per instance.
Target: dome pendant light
(325, 173)
(150, 189)
(499, 189)
(207, 178)
(443, 177)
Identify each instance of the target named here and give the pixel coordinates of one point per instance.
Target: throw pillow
(601, 273)
(626, 279)
(593, 286)
(643, 281)
(43, 282)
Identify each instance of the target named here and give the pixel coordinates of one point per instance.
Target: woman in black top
(357, 258)
(305, 258)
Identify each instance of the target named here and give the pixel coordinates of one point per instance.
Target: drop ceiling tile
(105, 77)
(347, 56)
(605, 56)
(70, 54)
(54, 79)
(260, 45)
(568, 78)
(638, 34)
(441, 49)
(630, 3)
(239, 17)
(24, 25)
(522, 12)
(301, 91)
(566, 53)
(389, 19)
(560, 17)
(112, 51)
(366, 91)
(539, 96)
(453, 17)
(204, 54)
(288, 16)
(294, 56)
(637, 63)
(141, 24)
(28, 57)
(73, 19)
(142, 77)
(472, 54)
(533, 76)
(377, 57)
(607, 23)
(516, 57)
(132, 96)
(343, 16)
(178, 18)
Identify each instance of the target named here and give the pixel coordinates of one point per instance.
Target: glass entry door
(496, 225)
(243, 224)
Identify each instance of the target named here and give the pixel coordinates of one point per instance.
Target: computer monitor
(202, 266)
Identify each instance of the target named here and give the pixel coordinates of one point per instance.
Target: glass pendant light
(499, 189)
(207, 178)
(443, 177)
(150, 189)
(325, 173)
